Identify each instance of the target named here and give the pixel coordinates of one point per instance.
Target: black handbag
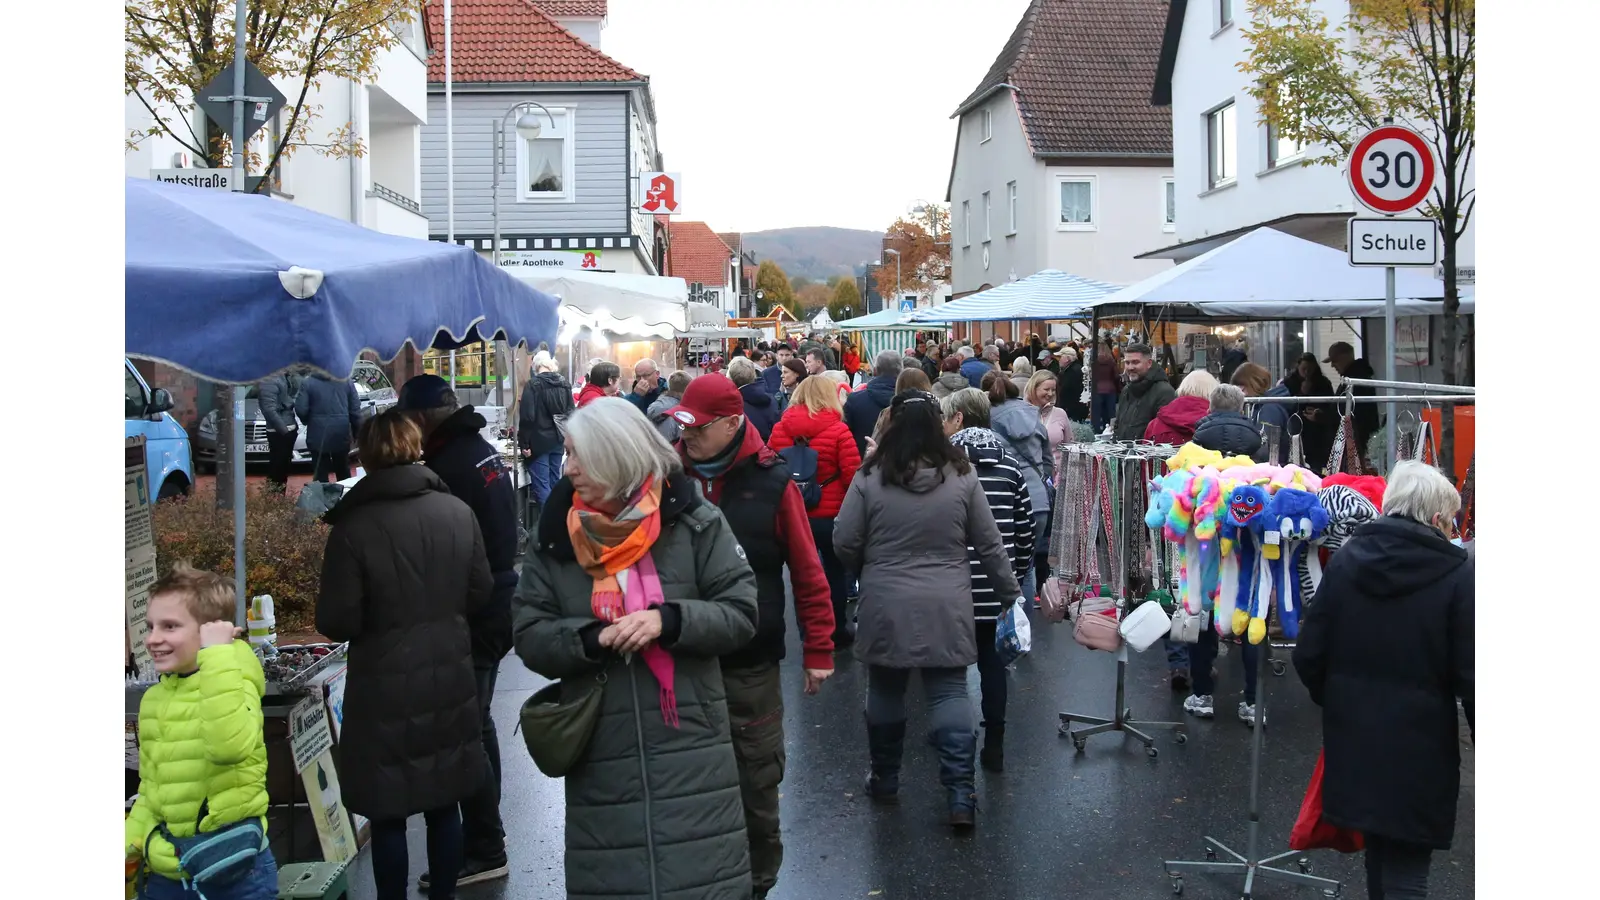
(558, 721)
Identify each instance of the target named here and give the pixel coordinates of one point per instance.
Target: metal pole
(496, 159)
(449, 134)
(236, 393)
(1388, 365)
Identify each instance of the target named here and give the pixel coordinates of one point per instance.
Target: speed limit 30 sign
(1391, 170)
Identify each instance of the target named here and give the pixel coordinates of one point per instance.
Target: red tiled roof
(515, 41)
(1083, 71)
(695, 253)
(573, 9)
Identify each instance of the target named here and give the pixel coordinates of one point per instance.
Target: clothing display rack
(1098, 526)
(1250, 864)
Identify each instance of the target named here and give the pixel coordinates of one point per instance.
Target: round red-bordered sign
(1391, 170)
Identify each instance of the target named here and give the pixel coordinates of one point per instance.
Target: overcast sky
(825, 112)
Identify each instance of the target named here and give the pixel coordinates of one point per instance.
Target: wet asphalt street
(1057, 823)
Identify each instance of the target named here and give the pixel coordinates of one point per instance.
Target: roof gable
(695, 253)
(516, 41)
(1082, 71)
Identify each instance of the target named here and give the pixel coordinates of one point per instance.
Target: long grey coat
(653, 813)
(910, 548)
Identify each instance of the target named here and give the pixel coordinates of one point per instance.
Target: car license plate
(255, 448)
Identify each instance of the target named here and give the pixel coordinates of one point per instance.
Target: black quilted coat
(403, 570)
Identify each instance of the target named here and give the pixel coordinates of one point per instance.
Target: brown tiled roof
(695, 253)
(515, 41)
(571, 9)
(1083, 71)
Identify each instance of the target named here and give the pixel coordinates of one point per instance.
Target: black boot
(992, 757)
(885, 744)
(957, 747)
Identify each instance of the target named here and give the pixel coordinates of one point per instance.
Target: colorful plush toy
(1191, 455)
(1237, 595)
(1298, 519)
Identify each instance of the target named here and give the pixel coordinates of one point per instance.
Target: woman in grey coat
(1019, 426)
(638, 583)
(916, 608)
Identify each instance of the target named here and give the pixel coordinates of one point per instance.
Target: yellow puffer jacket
(200, 739)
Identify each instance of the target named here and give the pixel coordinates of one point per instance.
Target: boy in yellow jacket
(202, 755)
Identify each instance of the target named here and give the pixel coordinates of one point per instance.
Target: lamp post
(527, 129)
(896, 254)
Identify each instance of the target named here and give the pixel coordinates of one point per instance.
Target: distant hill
(816, 252)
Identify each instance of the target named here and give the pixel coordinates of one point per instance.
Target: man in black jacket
(331, 409)
(862, 408)
(454, 448)
(546, 398)
(1348, 365)
(276, 398)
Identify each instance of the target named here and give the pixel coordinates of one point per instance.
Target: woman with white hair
(1175, 423)
(1021, 371)
(636, 588)
(1386, 649)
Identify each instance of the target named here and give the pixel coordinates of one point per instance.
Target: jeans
(280, 452)
(1204, 653)
(260, 884)
(991, 677)
(755, 720)
(391, 865)
(949, 712)
(336, 463)
(838, 581)
(1177, 654)
(483, 836)
(1102, 410)
(1030, 582)
(544, 470)
(1396, 870)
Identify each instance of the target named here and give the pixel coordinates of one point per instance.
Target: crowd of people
(675, 515)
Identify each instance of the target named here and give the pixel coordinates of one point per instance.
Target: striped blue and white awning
(1047, 294)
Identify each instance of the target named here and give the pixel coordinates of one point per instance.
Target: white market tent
(1046, 294)
(1267, 274)
(646, 306)
(885, 318)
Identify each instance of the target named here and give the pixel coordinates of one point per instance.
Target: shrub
(283, 556)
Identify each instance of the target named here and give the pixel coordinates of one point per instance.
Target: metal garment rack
(1122, 716)
(1250, 864)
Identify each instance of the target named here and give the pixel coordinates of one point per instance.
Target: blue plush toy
(1242, 510)
(1298, 518)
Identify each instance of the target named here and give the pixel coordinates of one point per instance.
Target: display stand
(1249, 864)
(1121, 720)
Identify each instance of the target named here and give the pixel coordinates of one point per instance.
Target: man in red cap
(729, 459)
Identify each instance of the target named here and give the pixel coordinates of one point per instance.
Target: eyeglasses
(700, 429)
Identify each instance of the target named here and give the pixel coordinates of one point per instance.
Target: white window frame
(1011, 207)
(1093, 181)
(1169, 185)
(1269, 151)
(988, 206)
(569, 160)
(1213, 183)
(1224, 13)
(985, 125)
(966, 223)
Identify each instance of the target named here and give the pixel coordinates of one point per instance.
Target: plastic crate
(313, 881)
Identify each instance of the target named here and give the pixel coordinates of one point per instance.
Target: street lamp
(896, 254)
(528, 128)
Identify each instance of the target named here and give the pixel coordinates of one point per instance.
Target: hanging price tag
(1270, 545)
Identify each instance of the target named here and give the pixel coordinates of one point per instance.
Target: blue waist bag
(218, 858)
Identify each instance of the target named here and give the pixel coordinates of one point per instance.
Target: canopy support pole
(236, 393)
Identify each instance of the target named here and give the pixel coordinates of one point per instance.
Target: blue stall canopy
(235, 287)
(1046, 294)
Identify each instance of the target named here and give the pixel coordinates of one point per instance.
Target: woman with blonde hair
(815, 419)
(1175, 423)
(1040, 392)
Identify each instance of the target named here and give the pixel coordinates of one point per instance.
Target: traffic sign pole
(1388, 363)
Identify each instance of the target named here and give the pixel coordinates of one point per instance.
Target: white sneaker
(1247, 714)
(1199, 705)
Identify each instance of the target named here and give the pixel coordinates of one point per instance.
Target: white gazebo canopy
(1046, 294)
(647, 306)
(1267, 274)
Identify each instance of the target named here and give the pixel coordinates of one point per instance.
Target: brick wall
(186, 391)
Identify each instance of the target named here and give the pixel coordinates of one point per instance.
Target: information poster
(311, 745)
(140, 553)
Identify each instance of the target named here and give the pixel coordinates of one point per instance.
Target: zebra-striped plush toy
(1348, 509)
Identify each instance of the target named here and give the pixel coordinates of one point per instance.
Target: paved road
(1055, 824)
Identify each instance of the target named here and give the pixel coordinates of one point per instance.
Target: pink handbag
(1051, 602)
(1098, 630)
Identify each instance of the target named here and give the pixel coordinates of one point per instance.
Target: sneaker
(1247, 714)
(475, 871)
(1180, 679)
(1199, 705)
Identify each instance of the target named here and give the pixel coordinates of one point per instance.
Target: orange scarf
(605, 545)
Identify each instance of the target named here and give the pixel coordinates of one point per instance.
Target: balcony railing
(395, 197)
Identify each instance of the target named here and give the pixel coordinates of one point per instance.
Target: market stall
(259, 287)
(888, 329)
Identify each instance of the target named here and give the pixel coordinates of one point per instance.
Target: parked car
(166, 445)
(372, 386)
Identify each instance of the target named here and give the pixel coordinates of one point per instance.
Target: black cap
(423, 392)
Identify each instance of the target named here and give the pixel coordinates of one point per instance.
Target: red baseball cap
(708, 397)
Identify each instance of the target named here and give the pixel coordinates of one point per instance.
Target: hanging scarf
(615, 552)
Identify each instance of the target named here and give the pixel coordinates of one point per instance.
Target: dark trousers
(1041, 551)
(755, 720)
(1203, 654)
(391, 864)
(838, 581)
(991, 677)
(336, 463)
(483, 836)
(280, 452)
(544, 470)
(1102, 411)
(1396, 870)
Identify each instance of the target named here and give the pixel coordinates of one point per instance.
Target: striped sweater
(1007, 492)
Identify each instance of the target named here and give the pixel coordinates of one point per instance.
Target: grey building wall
(988, 166)
(600, 167)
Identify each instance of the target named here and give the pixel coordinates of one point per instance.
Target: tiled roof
(1083, 70)
(733, 239)
(695, 253)
(515, 41)
(574, 9)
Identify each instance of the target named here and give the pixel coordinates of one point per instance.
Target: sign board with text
(139, 551)
(1393, 242)
(550, 259)
(206, 179)
(1391, 170)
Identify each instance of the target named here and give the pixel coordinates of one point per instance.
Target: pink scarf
(643, 590)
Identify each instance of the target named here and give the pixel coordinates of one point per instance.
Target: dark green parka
(653, 812)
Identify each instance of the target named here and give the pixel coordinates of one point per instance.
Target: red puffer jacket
(1175, 423)
(836, 452)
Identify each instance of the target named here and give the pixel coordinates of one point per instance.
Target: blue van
(166, 444)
